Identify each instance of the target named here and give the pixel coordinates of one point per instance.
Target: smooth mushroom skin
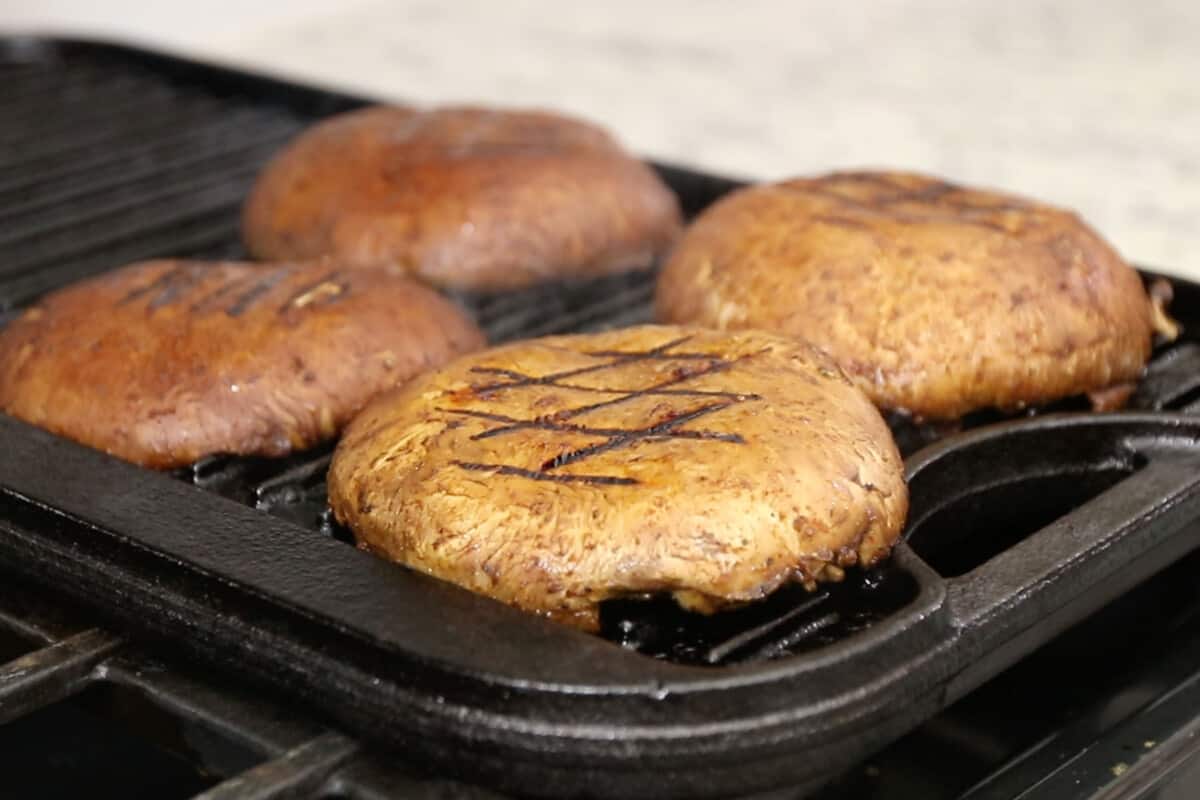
(164, 362)
(556, 473)
(935, 299)
(462, 197)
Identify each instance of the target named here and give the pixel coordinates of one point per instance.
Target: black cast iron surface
(1017, 530)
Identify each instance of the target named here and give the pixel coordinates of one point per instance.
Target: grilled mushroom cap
(163, 362)
(556, 473)
(935, 299)
(468, 198)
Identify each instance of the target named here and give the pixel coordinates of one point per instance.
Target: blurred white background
(1090, 104)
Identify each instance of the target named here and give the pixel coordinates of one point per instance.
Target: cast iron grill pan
(108, 155)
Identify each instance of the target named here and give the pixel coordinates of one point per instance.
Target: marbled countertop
(1093, 105)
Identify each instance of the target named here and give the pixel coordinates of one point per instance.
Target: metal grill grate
(297, 756)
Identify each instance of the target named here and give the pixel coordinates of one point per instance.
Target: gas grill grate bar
(300, 772)
(25, 615)
(53, 673)
(251, 721)
(302, 757)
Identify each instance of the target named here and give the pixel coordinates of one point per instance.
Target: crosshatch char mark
(614, 438)
(621, 358)
(548, 424)
(578, 387)
(503, 469)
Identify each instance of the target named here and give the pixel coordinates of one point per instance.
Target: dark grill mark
(605, 390)
(504, 469)
(170, 284)
(218, 294)
(627, 437)
(665, 392)
(248, 298)
(657, 354)
(939, 196)
(176, 289)
(937, 193)
(621, 358)
(881, 180)
(240, 293)
(614, 438)
(714, 367)
(917, 219)
(549, 424)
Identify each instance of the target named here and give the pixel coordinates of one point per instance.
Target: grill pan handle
(1034, 590)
